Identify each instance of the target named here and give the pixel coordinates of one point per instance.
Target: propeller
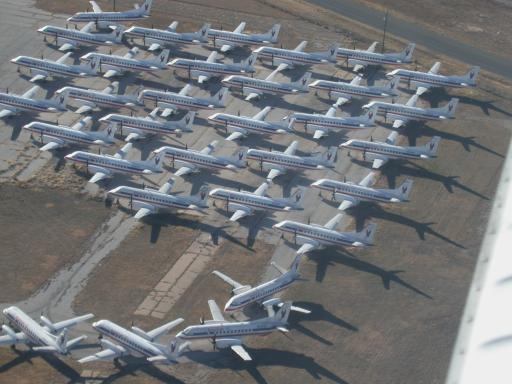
(131, 203)
(201, 320)
(227, 205)
(214, 342)
(261, 164)
(333, 194)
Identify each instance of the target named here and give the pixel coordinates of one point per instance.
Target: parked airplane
(56, 136)
(106, 19)
(279, 162)
(346, 91)
(49, 337)
(41, 68)
(403, 113)
(135, 342)
(431, 79)
(229, 40)
(225, 334)
(382, 152)
(91, 98)
(243, 295)
(141, 127)
(160, 38)
(172, 101)
(241, 126)
(287, 58)
(105, 166)
(114, 65)
(244, 203)
(350, 194)
(11, 104)
(73, 38)
(149, 201)
(361, 58)
(254, 88)
(192, 161)
(314, 236)
(206, 69)
(322, 124)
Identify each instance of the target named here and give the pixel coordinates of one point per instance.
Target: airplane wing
(235, 135)
(368, 180)
(84, 109)
(421, 90)
(273, 174)
(356, 80)
(435, 68)
(57, 327)
(31, 92)
(308, 247)
(39, 76)
(282, 67)
(212, 57)
(240, 28)
(262, 114)
(167, 187)
(240, 351)
(51, 145)
(301, 46)
(252, 96)
(272, 75)
(86, 28)
(331, 224)
(209, 148)
(319, 132)
(98, 176)
(11, 337)
(184, 171)
(331, 112)
(372, 47)
(154, 47)
(291, 148)
(159, 331)
(67, 47)
(235, 284)
(132, 136)
(131, 53)
(106, 354)
(121, 154)
(377, 163)
(226, 47)
(358, 67)
(143, 212)
(111, 89)
(63, 58)
(261, 190)
(239, 213)
(346, 204)
(95, 7)
(166, 112)
(412, 101)
(111, 73)
(202, 78)
(172, 27)
(184, 91)
(7, 112)
(216, 313)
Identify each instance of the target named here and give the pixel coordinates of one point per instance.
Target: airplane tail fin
(404, 190)
(451, 107)
(329, 156)
(146, 7)
(187, 121)
(94, 64)
(406, 54)
(370, 114)
(61, 99)
(431, 148)
(392, 85)
(240, 159)
(282, 314)
(202, 195)
(302, 83)
(110, 131)
(472, 75)
(248, 64)
(162, 58)
(117, 33)
(115, 87)
(332, 52)
(273, 33)
(62, 338)
(202, 34)
(367, 235)
(295, 200)
(219, 99)
(156, 161)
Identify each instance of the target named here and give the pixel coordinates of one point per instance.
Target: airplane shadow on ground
(330, 256)
(407, 168)
(318, 313)
(265, 357)
(421, 129)
(365, 211)
(439, 96)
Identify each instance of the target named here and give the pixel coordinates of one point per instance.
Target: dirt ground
(49, 226)
(485, 24)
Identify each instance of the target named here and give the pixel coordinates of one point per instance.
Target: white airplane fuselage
(66, 134)
(197, 159)
(175, 100)
(264, 86)
(296, 57)
(355, 191)
(331, 122)
(202, 66)
(162, 36)
(23, 103)
(51, 66)
(282, 160)
(122, 63)
(409, 112)
(351, 89)
(72, 35)
(99, 162)
(388, 150)
(140, 123)
(247, 123)
(33, 331)
(372, 58)
(257, 202)
(432, 79)
(99, 97)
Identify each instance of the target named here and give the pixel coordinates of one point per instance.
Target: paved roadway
(410, 31)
